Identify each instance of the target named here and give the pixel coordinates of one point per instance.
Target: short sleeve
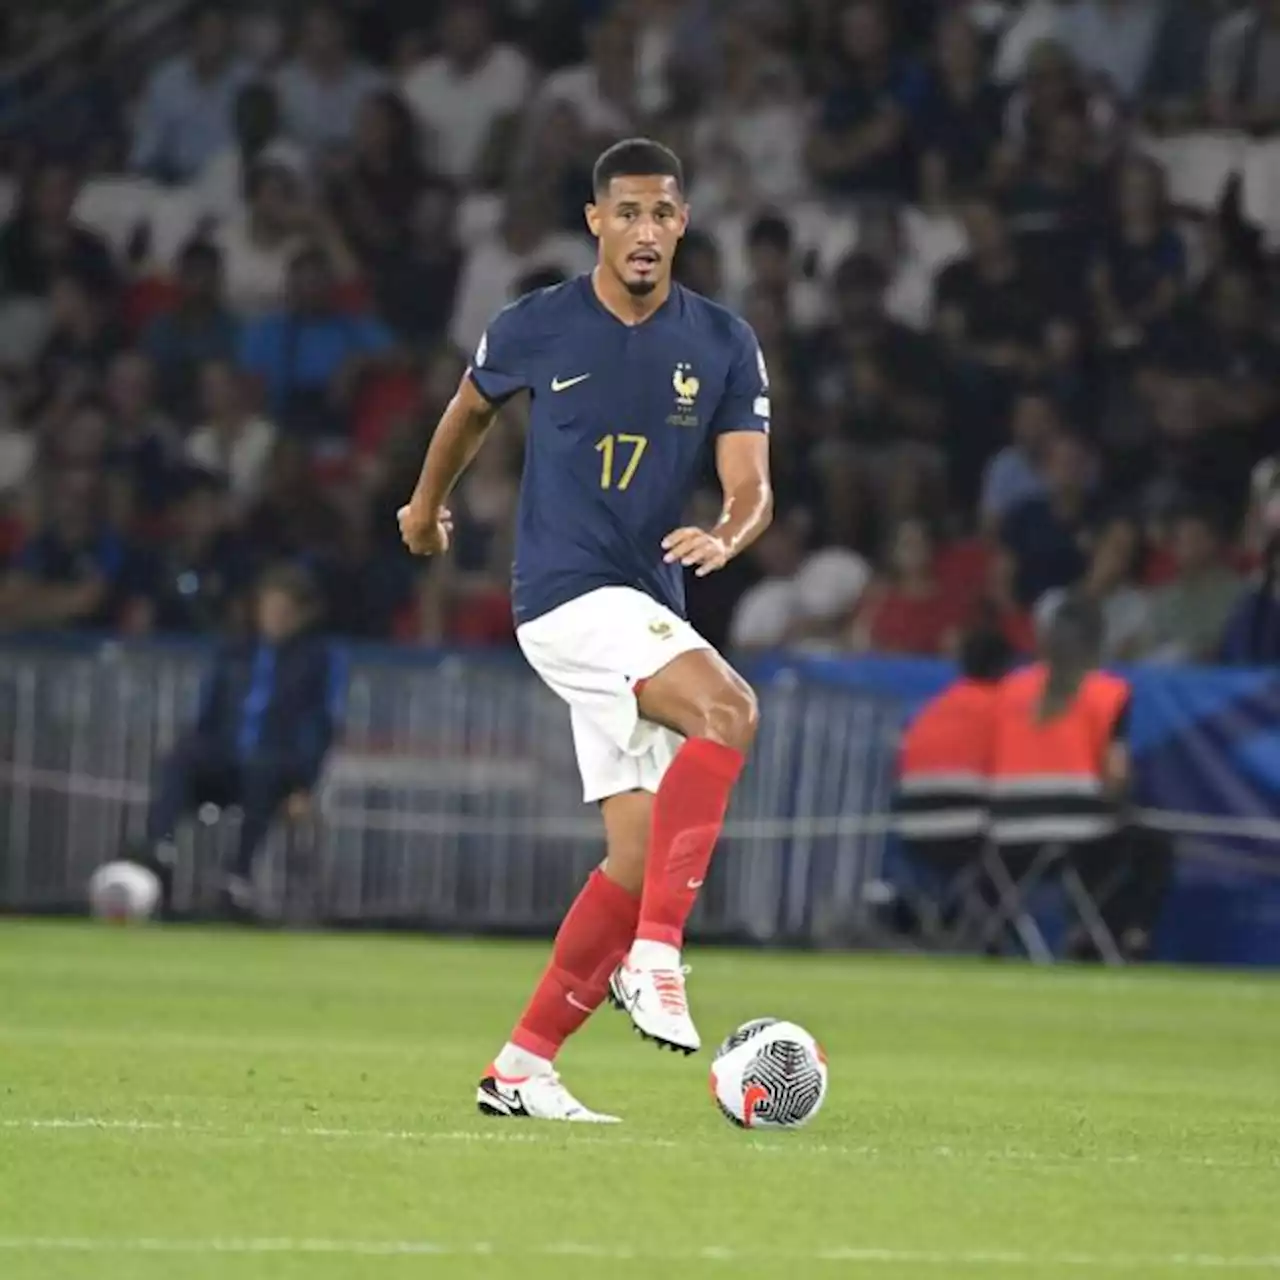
(499, 367)
(745, 403)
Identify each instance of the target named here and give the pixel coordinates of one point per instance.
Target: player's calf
(592, 939)
(701, 696)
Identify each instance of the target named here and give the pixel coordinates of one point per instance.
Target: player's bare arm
(425, 523)
(742, 462)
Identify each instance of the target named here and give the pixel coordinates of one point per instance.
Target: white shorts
(592, 651)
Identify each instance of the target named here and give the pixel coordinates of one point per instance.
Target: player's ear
(684, 220)
(594, 217)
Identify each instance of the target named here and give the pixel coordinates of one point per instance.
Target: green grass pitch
(204, 1104)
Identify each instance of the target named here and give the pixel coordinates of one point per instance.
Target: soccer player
(631, 378)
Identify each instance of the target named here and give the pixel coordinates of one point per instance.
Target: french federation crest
(686, 385)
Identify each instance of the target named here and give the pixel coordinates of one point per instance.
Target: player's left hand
(696, 549)
(425, 533)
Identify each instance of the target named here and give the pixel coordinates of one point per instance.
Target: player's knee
(732, 716)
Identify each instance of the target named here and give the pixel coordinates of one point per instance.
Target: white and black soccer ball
(769, 1075)
(123, 892)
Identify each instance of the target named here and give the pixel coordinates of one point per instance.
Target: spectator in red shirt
(908, 611)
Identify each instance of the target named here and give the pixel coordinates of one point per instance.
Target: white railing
(453, 797)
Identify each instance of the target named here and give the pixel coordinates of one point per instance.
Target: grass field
(179, 1103)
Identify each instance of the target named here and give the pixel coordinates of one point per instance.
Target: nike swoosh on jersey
(563, 384)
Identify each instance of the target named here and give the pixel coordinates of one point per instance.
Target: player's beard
(640, 288)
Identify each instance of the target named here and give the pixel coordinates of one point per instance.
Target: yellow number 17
(606, 447)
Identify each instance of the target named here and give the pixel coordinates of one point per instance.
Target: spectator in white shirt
(260, 239)
(1114, 40)
(749, 145)
(524, 242)
(185, 116)
(322, 87)
(1036, 22)
(234, 442)
(601, 90)
(221, 186)
(468, 91)
(803, 601)
(884, 235)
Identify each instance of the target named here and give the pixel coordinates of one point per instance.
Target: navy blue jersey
(620, 421)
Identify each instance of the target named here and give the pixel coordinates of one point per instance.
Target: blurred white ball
(123, 891)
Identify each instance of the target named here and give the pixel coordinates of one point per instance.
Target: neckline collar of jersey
(589, 287)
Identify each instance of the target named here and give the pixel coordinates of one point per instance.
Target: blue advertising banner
(1206, 744)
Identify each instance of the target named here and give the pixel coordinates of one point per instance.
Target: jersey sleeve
(745, 403)
(499, 367)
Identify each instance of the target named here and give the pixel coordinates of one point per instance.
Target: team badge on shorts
(661, 629)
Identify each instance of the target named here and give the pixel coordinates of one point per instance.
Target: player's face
(639, 222)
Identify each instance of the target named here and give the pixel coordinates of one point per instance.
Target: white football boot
(539, 1096)
(654, 997)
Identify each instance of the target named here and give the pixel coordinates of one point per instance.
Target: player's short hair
(635, 158)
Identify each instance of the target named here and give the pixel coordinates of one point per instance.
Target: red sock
(688, 812)
(593, 938)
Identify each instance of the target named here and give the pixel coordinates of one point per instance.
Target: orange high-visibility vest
(944, 763)
(1047, 775)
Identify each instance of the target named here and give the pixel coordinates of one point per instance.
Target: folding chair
(946, 911)
(1011, 911)
(1052, 862)
(1088, 909)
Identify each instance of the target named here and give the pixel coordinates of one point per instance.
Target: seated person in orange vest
(1061, 776)
(945, 760)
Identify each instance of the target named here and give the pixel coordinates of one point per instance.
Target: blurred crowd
(248, 252)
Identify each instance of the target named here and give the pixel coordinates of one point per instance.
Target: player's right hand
(425, 533)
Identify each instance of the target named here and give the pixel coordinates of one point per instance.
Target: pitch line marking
(606, 1253)
(540, 1134)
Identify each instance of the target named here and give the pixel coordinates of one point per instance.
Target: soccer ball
(769, 1075)
(123, 891)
